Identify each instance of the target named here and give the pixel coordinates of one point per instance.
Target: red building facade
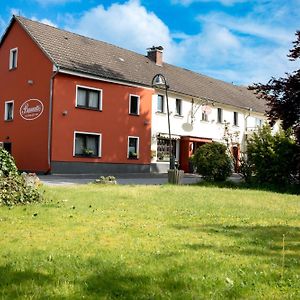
(67, 123)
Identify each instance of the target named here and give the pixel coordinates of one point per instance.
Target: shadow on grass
(251, 240)
(283, 189)
(107, 280)
(118, 282)
(19, 284)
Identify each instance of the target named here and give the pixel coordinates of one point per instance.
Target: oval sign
(31, 109)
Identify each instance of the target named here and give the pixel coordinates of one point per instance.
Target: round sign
(31, 109)
(207, 109)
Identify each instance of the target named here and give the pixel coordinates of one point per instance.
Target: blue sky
(237, 41)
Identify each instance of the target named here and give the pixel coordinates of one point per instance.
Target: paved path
(136, 179)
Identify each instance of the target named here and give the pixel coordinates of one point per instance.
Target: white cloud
(128, 25)
(45, 21)
(2, 27)
(249, 25)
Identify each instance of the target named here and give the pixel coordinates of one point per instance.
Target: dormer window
(13, 58)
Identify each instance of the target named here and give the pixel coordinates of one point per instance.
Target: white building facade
(194, 122)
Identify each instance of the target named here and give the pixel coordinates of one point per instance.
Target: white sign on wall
(31, 109)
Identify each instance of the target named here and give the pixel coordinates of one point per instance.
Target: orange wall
(29, 138)
(113, 122)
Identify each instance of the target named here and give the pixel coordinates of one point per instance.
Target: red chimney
(156, 54)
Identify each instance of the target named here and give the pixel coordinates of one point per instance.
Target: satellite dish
(187, 127)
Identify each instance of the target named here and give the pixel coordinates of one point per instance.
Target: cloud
(223, 2)
(2, 26)
(128, 25)
(45, 21)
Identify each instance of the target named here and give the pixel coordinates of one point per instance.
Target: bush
(212, 162)
(274, 157)
(14, 188)
(7, 164)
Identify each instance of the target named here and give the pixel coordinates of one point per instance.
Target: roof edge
(34, 39)
(12, 20)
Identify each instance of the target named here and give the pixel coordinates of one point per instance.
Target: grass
(151, 242)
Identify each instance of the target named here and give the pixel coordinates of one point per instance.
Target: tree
(283, 95)
(273, 158)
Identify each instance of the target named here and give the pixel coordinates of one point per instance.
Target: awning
(166, 136)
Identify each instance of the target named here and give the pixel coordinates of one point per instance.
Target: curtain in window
(79, 144)
(92, 144)
(81, 95)
(93, 99)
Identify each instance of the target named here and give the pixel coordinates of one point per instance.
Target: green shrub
(212, 161)
(7, 164)
(275, 157)
(14, 188)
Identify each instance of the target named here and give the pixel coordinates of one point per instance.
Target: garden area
(151, 242)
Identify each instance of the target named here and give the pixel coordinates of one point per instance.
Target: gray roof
(85, 55)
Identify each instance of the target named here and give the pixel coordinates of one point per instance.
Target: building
(72, 104)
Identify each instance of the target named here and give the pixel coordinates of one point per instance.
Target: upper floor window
(235, 118)
(87, 97)
(13, 58)
(220, 115)
(133, 147)
(9, 111)
(134, 105)
(87, 144)
(178, 107)
(204, 116)
(160, 103)
(258, 122)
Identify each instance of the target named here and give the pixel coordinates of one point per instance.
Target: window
(9, 111)
(134, 105)
(160, 103)
(163, 146)
(220, 115)
(178, 107)
(13, 58)
(204, 116)
(133, 147)
(87, 144)
(89, 98)
(235, 118)
(258, 122)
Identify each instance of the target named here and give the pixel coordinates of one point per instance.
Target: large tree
(283, 95)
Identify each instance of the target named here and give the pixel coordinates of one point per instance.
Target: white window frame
(89, 133)
(180, 113)
(222, 120)
(89, 88)
(5, 110)
(137, 145)
(138, 105)
(11, 51)
(163, 104)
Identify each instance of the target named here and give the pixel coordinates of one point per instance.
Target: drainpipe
(50, 118)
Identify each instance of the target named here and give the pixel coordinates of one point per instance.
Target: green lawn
(151, 242)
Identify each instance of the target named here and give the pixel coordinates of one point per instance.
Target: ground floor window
(133, 147)
(87, 144)
(163, 146)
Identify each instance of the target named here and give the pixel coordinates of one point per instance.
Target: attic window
(121, 59)
(13, 58)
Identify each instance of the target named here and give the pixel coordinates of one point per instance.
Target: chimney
(156, 54)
